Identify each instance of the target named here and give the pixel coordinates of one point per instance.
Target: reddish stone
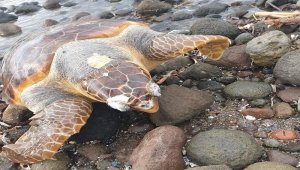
(290, 94)
(277, 156)
(283, 134)
(160, 149)
(263, 113)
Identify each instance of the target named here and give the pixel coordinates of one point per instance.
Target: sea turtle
(59, 73)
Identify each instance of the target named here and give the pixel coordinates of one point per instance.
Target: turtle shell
(29, 61)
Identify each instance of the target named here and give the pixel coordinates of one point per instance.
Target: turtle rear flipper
(49, 130)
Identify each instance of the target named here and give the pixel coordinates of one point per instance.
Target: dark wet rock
(80, 15)
(178, 104)
(287, 68)
(61, 163)
(211, 167)
(69, 4)
(6, 164)
(291, 147)
(160, 149)
(283, 110)
(173, 2)
(272, 143)
(51, 4)
(212, 8)
(278, 2)
(106, 15)
(50, 22)
(187, 83)
(123, 12)
(270, 166)
(172, 80)
(213, 26)
(103, 125)
(234, 148)
(4, 17)
(226, 79)
(200, 71)
(277, 156)
(248, 90)
(261, 27)
(213, 16)
(262, 113)
(266, 49)
(291, 94)
(174, 64)
(239, 11)
(26, 7)
(234, 57)
(163, 17)
(210, 85)
(219, 97)
(14, 116)
(153, 7)
(258, 102)
(181, 15)
(243, 38)
(92, 151)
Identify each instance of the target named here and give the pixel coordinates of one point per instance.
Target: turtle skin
(59, 73)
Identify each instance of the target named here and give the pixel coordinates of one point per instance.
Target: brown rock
(243, 74)
(160, 149)
(283, 110)
(178, 104)
(277, 156)
(15, 115)
(263, 113)
(283, 134)
(50, 22)
(290, 94)
(234, 57)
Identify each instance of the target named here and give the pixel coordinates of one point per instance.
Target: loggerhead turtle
(58, 74)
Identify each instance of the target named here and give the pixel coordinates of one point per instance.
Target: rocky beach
(239, 112)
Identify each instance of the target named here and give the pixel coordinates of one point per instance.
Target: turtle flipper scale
(122, 84)
(166, 46)
(49, 129)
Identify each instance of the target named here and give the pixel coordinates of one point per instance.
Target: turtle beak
(150, 106)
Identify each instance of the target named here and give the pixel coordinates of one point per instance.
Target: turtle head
(142, 99)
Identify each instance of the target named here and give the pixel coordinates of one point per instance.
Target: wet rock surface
(248, 89)
(234, 148)
(178, 104)
(213, 26)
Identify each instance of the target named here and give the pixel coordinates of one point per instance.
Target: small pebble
(258, 102)
(283, 134)
(272, 143)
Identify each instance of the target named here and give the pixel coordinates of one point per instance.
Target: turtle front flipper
(167, 46)
(122, 85)
(50, 128)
